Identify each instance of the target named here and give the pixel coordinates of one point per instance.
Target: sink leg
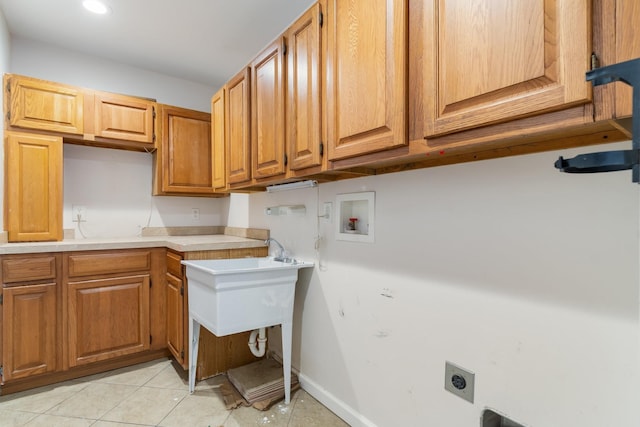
(194, 332)
(286, 357)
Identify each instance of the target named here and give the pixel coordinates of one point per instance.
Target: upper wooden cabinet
(627, 48)
(38, 104)
(33, 185)
(268, 86)
(81, 116)
(367, 76)
(304, 96)
(124, 117)
(218, 135)
(184, 157)
(487, 62)
(238, 127)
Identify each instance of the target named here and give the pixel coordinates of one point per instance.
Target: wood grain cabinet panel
(109, 262)
(175, 318)
(267, 112)
(218, 135)
(29, 325)
(238, 126)
(124, 117)
(185, 151)
(107, 318)
(487, 62)
(42, 105)
(33, 183)
(28, 269)
(304, 97)
(627, 48)
(367, 76)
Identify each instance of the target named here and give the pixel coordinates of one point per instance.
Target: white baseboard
(337, 406)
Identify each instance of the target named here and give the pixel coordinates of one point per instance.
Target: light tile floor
(151, 394)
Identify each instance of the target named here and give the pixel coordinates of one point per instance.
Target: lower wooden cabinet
(29, 330)
(65, 315)
(30, 312)
(176, 341)
(108, 318)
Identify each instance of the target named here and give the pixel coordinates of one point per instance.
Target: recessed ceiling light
(96, 6)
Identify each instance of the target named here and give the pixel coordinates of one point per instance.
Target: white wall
(5, 54)
(115, 185)
(521, 274)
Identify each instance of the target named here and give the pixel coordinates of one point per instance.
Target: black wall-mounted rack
(608, 161)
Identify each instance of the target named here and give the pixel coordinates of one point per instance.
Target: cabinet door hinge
(150, 283)
(595, 62)
(321, 149)
(321, 19)
(153, 111)
(1, 373)
(182, 290)
(1, 299)
(9, 115)
(154, 137)
(286, 159)
(182, 354)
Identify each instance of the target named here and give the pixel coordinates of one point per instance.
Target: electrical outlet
(195, 213)
(327, 207)
(79, 213)
(459, 381)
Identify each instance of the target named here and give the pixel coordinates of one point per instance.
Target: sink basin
(241, 294)
(228, 296)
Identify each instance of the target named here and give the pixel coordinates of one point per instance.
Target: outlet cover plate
(459, 381)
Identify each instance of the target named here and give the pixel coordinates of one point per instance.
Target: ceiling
(204, 41)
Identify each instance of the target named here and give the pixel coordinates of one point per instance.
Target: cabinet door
(175, 318)
(367, 76)
(107, 318)
(304, 99)
(267, 114)
(218, 134)
(488, 61)
(238, 121)
(33, 183)
(124, 118)
(185, 151)
(42, 105)
(627, 48)
(29, 330)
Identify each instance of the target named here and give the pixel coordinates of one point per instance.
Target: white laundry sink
(228, 296)
(241, 294)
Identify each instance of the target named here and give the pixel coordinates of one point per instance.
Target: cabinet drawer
(28, 269)
(173, 264)
(87, 264)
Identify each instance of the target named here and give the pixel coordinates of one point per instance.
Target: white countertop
(177, 243)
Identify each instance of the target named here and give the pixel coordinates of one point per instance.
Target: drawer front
(28, 269)
(173, 264)
(87, 264)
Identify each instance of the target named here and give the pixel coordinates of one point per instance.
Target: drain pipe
(258, 348)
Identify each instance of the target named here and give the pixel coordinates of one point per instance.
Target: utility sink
(228, 296)
(241, 294)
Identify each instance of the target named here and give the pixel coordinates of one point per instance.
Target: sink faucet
(281, 251)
